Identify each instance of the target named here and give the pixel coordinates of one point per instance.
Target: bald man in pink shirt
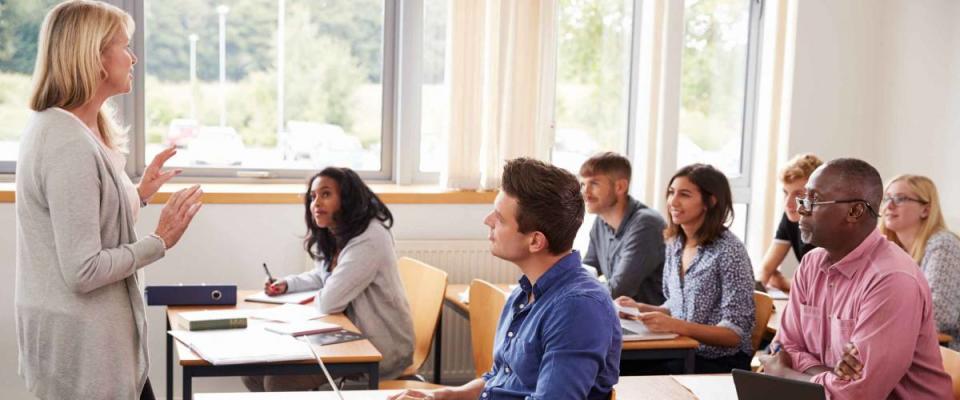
(857, 290)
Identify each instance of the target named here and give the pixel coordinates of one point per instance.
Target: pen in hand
(270, 277)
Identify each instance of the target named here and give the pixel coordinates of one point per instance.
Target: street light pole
(222, 10)
(281, 35)
(193, 76)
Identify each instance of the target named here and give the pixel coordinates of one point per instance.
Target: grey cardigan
(81, 329)
(366, 287)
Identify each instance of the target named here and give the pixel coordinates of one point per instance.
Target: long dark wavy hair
(358, 206)
(713, 184)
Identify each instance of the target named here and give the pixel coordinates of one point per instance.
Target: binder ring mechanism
(216, 295)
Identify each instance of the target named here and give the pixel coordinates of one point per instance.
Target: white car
(217, 146)
(324, 144)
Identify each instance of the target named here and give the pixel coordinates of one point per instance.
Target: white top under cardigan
(79, 309)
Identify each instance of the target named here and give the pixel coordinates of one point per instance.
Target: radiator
(463, 260)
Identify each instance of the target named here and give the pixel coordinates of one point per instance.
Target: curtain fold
(502, 63)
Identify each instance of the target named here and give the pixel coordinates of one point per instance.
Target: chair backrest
(425, 286)
(764, 304)
(486, 303)
(951, 364)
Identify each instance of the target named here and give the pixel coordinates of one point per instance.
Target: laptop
(754, 386)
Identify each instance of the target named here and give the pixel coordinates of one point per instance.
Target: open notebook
(241, 346)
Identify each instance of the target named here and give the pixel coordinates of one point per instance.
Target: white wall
(225, 244)
(919, 111)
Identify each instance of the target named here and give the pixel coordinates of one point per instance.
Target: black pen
(270, 277)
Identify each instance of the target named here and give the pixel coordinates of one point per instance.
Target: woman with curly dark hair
(348, 236)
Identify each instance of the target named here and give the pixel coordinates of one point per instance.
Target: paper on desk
(709, 387)
(627, 310)
(292, 298)
(286, 313)
(241, 346)
(777, 294)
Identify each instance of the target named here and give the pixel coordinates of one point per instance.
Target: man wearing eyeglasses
(857, 300)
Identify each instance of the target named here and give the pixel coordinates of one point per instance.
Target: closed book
(302, 328)
(214, 319)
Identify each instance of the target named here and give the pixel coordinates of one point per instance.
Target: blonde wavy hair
(799, 167)
(69, 65)
(926, 191)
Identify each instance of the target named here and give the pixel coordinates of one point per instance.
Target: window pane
(434, 104)
(593, 61)
(326, 78)
(739, 224)
(20, 22)
(713, 83)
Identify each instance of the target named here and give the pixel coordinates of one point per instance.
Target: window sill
(268, 193)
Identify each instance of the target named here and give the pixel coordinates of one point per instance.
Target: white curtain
(774, 94)
(502, 62)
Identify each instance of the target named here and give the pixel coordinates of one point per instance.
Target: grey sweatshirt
(366, 286)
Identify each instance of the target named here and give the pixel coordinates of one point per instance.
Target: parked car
(216, 145)
(302, 137)
(180, 131)
(323, 144)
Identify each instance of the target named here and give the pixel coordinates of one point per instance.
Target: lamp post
(281, 33)
(222, 11)
(193, 76)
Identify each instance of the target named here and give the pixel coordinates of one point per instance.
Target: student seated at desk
(707, 277)
(912, 219)
(356, 273)
(793, 177)
(626, 241)
(858, 290)
(558, 336)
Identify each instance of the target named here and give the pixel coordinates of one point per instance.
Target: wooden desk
(682, 347)
(661, 387)
(358, 356)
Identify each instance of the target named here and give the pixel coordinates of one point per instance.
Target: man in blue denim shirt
(558, 336)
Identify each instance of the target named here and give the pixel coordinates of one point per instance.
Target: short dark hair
(859, 179)
(358, 206)
(711, 182)
(607, 163)
(548, 201)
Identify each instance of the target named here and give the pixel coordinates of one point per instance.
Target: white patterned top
(941, 265)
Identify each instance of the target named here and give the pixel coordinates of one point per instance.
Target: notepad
(302, 328)
(292, 298)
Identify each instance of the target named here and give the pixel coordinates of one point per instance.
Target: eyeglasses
(806, 204)
(900, 199)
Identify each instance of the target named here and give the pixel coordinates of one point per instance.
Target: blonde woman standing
(913, 220)
(81, 329)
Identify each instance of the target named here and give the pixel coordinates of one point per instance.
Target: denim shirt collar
(554, 274)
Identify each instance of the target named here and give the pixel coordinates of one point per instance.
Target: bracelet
(163, 242)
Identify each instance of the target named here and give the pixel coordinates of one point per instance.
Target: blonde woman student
(81, 329)
(793, 178)
(913, 220)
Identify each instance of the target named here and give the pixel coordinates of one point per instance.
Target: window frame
(132, 113)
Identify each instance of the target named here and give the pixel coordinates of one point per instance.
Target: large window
(717, 87)
(714, 103)
(594, 41)
(265, 84)
(434, 93)
(19, 27)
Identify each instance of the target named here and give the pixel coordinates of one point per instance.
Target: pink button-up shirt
(877, 298)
